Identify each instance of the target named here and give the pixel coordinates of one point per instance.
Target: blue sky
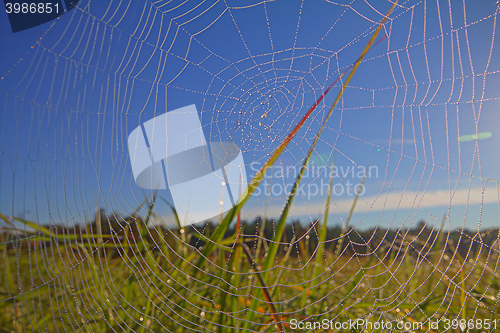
(72, 90)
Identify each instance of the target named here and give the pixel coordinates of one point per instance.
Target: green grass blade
(340, 243)
(320, 250)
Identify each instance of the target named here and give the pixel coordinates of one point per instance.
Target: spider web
(420, 111)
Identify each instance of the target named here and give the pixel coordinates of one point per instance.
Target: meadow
(117, 275)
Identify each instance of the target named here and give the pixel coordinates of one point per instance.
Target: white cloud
(383, 202)
(406, 200)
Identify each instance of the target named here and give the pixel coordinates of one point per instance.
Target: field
(155, 280)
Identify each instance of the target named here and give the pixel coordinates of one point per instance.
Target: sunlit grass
(80, 286)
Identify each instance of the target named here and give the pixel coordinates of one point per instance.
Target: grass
(50, 282)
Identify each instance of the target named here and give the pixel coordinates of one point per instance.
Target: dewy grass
(322, 229)
(79, 291)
